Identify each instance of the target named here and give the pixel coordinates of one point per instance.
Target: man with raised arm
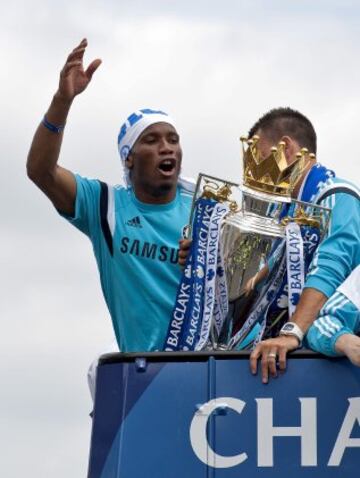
(134, 230)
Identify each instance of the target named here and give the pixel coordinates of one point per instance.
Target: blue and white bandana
(130, 131)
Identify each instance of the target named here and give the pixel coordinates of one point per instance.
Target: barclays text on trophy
(252, 245)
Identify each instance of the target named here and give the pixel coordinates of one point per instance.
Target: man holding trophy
(336, 257)
(279, 277)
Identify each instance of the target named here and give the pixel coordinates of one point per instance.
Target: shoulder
(115, 190)
(186, 189)
(87, 189)
(187, 185)
(336, 190)
(120, 189)
(85, 181)
(101, 192)
(336, 182)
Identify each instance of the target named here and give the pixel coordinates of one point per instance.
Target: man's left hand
(272, 353)
(184, 250)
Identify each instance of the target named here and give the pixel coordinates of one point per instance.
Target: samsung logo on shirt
(148, 250)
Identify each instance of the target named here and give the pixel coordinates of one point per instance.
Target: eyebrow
(157, 134)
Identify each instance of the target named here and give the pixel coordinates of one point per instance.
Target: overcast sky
(215, 67)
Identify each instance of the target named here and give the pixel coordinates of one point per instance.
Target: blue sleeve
(338, 254)
(337, 317)
(86, 216)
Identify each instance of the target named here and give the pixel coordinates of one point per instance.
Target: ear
(291, 148)
(129, 161)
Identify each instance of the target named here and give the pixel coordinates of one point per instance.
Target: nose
(165, 146)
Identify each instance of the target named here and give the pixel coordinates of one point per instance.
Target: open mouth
(167, 166)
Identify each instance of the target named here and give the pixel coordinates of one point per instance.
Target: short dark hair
(280, 122)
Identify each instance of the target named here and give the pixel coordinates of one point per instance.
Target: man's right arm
(56, 182)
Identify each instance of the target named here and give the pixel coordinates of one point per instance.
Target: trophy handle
(216, 188)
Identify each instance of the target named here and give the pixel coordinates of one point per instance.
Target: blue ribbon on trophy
(221, 305)
(294, 265)
(186, 319)
(192, 325)
(201, 302)
(283, 304)
(301, 243)
(213, 278)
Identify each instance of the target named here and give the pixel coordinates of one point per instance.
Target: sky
(215, 67)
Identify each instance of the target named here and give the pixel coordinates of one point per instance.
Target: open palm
(73, 78)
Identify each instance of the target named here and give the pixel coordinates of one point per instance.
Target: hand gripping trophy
(251, 247)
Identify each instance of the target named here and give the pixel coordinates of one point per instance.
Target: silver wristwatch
(290, 328)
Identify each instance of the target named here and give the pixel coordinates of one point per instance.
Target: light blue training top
(339, 253)
(136, 249)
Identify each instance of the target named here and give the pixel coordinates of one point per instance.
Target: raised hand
(73, 78)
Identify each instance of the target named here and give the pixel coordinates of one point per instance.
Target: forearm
(308, 308)
(56, 182)
(262, 274)
(45, 148)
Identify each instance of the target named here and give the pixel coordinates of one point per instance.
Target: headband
(130, 131)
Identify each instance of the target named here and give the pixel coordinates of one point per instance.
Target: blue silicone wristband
(52, 127)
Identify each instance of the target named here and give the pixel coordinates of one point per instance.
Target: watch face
(288, 327)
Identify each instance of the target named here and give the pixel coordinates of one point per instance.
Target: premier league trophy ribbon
(202, 294)
(186, 315)
(214, 279)
(251, 247)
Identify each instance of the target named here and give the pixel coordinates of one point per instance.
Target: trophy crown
(272, 174)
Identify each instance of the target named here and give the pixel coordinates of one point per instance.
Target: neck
(159, 196)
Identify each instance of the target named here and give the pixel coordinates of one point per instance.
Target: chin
(164, 187)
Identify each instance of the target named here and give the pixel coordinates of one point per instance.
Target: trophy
(248, 241)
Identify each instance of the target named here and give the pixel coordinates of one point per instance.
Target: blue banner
(199, 415)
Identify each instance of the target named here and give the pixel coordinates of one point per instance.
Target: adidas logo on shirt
(134, 222)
